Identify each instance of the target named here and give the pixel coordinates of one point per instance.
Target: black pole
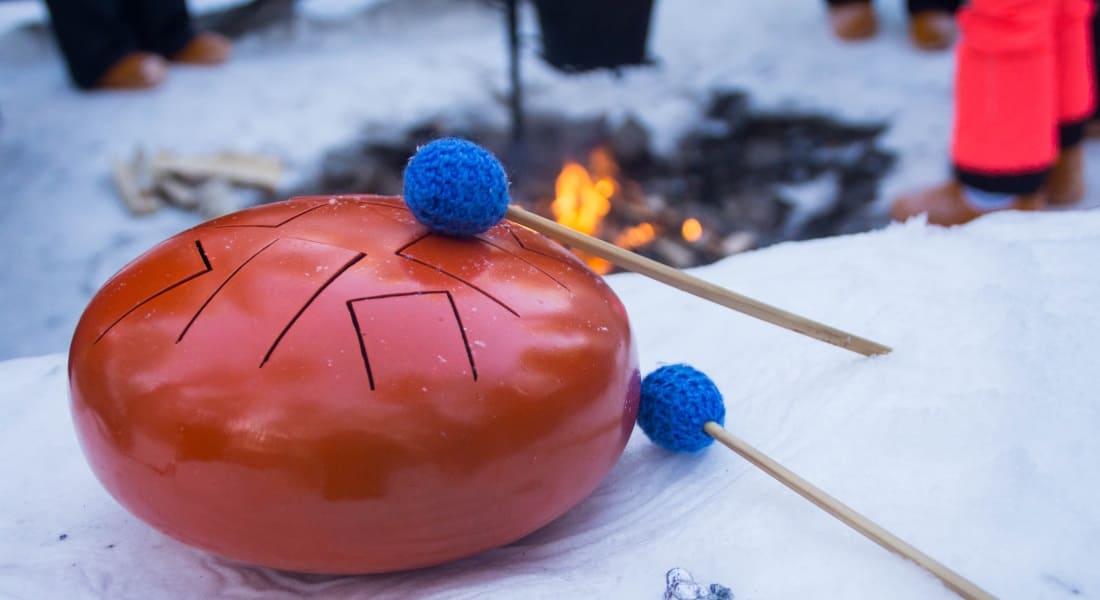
(1096, 58)
(516, 100)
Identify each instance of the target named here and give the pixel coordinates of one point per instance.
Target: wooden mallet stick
(682, 410)
(955, 582)
(693, 285)
(455, 187)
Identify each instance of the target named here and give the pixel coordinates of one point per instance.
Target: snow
(972, 440)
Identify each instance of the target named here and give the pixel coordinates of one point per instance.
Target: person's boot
(853, 21)
(1066, 181)
(947, 205)
(1092, 128)
(932, 29)
(135, 71)
(206, 48)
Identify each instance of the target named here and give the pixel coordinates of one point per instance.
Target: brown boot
(1092, 128)
(932, 29)
(1066, 181)
(853, 21)
(135, 71)
(947, 205)
(206, 48)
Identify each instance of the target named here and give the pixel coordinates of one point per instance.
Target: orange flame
(581, 203)
(636, 236)
(692, 229)
(582, 200)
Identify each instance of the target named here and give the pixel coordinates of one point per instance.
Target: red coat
(1024, 68)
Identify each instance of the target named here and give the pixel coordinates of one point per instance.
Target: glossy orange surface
(323, 385)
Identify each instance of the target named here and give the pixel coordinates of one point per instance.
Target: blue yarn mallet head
(677, 400)
(456, 187)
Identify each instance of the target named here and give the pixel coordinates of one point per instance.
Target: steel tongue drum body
(328, 385)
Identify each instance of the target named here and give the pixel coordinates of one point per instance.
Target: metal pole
(516, 100)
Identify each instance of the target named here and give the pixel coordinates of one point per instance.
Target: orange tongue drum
(331, 382)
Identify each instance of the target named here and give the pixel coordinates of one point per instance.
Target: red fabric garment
(1075, 81)
(1023, 68)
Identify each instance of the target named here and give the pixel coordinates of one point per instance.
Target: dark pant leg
(1096, 57)
(918, 6)
(92, 36)
(1075, 72)
(160, 26)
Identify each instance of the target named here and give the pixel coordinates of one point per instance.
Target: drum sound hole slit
(276, 225)
(305, 306)
(527, 262)
(223, 284)
(401, 253)
(360, 333)
(206, 269)
(519, 240)
(362, 344)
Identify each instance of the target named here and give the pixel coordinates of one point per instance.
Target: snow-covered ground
(973, 441)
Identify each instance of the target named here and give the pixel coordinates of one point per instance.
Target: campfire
(585, 198)
(738, 180)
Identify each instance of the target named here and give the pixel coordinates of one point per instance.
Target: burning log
(595, 202)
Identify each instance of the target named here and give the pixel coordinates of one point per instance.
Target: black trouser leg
(1071, 133)
(160, 26)
(1018, 184)
(918, 6)
(914, 6)
(1096, 56)
(92, 36)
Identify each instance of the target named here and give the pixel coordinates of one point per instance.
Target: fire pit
(739, 180)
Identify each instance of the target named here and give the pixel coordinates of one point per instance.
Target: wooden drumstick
(874, 532)
(682, 410)
(693, 285)
(457, 188)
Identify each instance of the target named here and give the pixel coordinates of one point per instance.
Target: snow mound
(973, 440)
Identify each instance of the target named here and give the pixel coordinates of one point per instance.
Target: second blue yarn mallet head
(677, 401)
